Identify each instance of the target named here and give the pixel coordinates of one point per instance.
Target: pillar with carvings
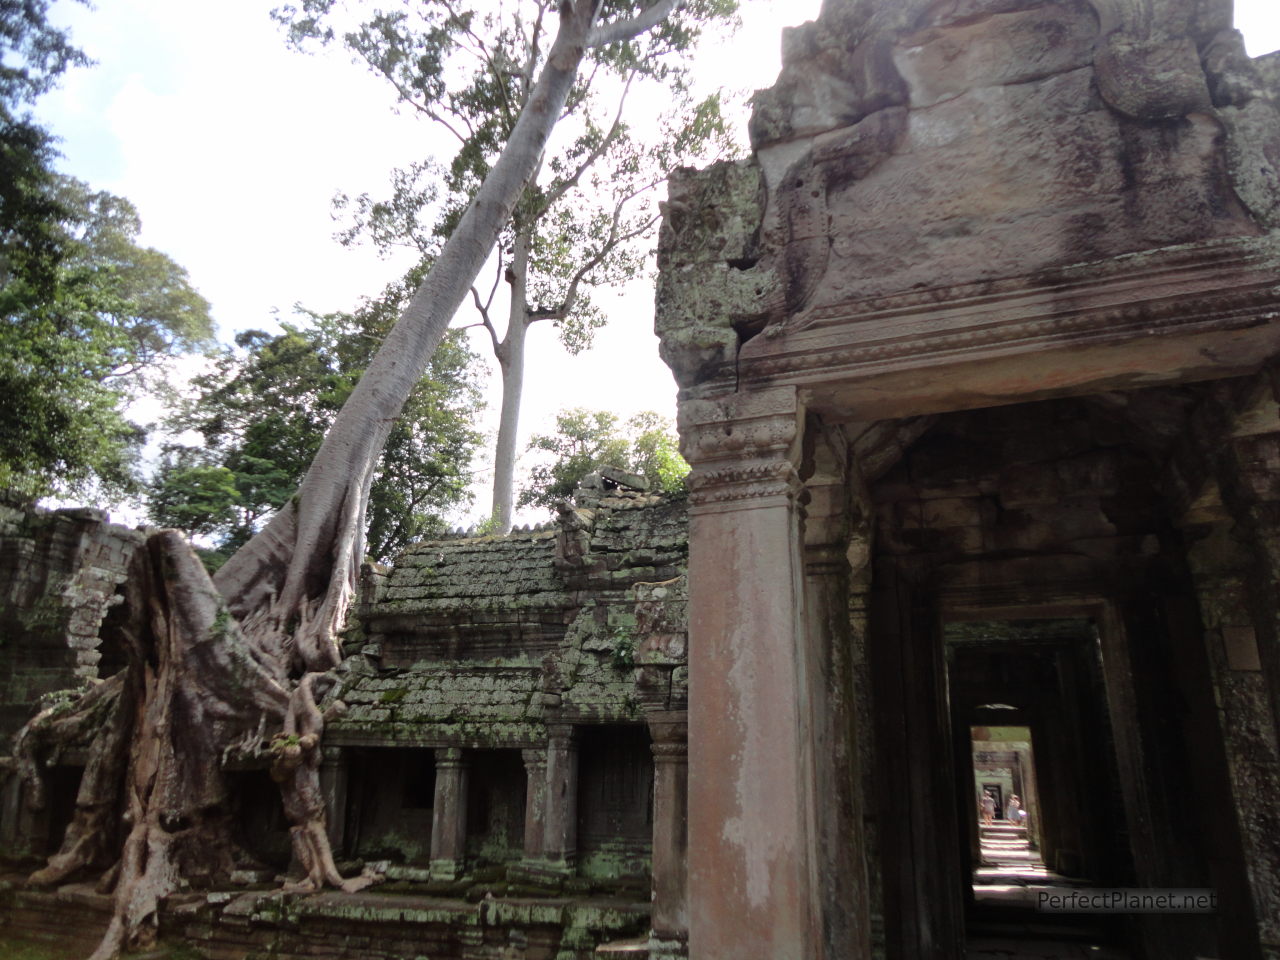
(449, 815)
(669, 923)
(751, 832)
(560, 813)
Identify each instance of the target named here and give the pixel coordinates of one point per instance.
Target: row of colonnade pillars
(551, 815)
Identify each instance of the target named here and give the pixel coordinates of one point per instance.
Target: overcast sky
(231, 147)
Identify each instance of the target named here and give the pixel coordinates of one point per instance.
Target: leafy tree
(78, 342)
(85, 311)
(586, 440)
(262, 412)
(578, 222)
(214, 667)
(33, 56)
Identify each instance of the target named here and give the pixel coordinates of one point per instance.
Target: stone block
(1241, 647)
(1027, 485)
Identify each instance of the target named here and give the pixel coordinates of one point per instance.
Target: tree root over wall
(195, 691)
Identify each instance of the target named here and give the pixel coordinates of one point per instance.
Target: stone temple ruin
(979, 368)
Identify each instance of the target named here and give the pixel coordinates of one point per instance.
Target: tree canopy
(470, 70)
(586, 440)
(86, 312)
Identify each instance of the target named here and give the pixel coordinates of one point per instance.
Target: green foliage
(85, 312)
(586, 440)
(262, 411)
(623, 654)
(35, 53)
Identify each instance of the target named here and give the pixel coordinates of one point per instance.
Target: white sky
(231, 147)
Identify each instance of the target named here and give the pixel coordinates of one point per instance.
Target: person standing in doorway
(988, 808)
(1013, 811)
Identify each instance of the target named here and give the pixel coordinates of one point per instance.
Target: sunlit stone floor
(1007, 883)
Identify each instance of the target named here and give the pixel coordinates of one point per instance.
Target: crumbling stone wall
(58, 572)
(488, 639)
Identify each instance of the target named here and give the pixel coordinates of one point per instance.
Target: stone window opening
(495, 807)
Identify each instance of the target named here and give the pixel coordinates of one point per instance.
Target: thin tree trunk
(511, 361)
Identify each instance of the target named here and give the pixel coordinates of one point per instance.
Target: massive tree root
(101, 718)
(296, 767)
(195, 690)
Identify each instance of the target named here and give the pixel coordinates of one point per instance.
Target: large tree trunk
(511, 362)
(301, 569)
(216, 665)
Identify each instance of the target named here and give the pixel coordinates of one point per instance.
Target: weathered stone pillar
(1237, 573)
(333, 786)
(669, 933)
(841, 861)
(560, 814)
(449, 815)
(535, 801)
(12, 810)
(751, 859)
(923, 862)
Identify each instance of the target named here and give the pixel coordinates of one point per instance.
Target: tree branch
(611, 243)
(629, 29)
(615, 128)
(483, 53)
(483, 308)
(407, 97)
(497, 280)
(573, 102)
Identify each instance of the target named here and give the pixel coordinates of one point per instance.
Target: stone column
(333, 786)
(560, 814)
(751, 853)
(535, 769)
(1236, 566)
(449, 815)
(841, 863)
(669, 933)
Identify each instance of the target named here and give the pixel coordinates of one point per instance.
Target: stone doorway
(1028, 698)
(1022, 575)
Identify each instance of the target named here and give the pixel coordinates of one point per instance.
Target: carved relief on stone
(914, 146)
(742, 446)
(709, 281)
